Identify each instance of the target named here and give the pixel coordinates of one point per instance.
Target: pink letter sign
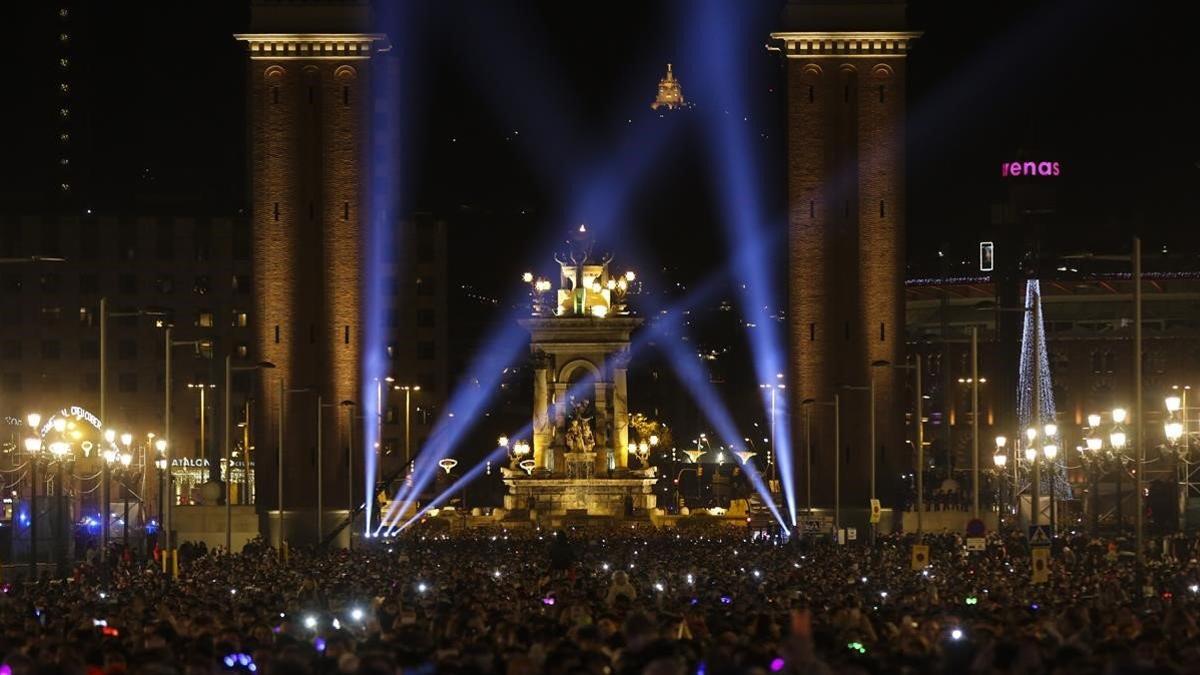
(1014, 169)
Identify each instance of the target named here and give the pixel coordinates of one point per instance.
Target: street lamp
(33, 446)
(837, 469)
(408, 390)
(349, 406)
(1176, 429)
(227, 439)
(775, 388)
(168, 345)
(283, 394)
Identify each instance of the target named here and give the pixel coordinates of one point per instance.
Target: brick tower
(307, 87)
(845, 64)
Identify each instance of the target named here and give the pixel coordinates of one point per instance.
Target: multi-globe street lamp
(999, 462)
(1178, 432)
(1034, 455)
(1099, 459)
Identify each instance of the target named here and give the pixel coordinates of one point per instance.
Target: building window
(89, 382)
(127, 284)
(240, 320)
(241, 243)
(127, 383)
(202, 242)
(389, 446)
(241, 284)
(88, 283)
(204, 318)
(51, 315)
(49, 283)
(242, 351)
(11, 383)
(425, 318)
(10, 349)
(164, 242)
(391, 415)
(428, 382)
(424, 286)
(426, 350)
(85, 316)
(127, 350)
(51, 349)
(89, 349)
(391, 351)
(127, 244)
(11, 283)
(165, 284)
(201, 285)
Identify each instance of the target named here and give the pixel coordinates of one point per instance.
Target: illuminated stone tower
(845, 121)
(308, 86)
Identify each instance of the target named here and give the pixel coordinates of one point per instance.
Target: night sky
(512, 108)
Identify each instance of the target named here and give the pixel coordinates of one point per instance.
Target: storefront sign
(1017, 169)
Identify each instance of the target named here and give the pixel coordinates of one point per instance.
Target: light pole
(1050, 452)
(1176, 430)
(369, 498)
(283, 394)
(160, 463)
(975, 420)
(775, 388)
(1098, 459)
(104, 316)
(227, 439)
(408, 390)
(349, 405)
(1139, 438)
(124, 460)
(1031, 455)
(321, 406)
(33, 446)
(168, 344)
(999, 460)
(835, 403)
(1119, 440)
(110, 437)
(202, 388)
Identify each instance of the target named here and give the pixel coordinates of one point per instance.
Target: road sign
(876, 511)
(976, 544)
(920, 557)
(1039, 535)
(851, 534)
(976, 528)
(1041, 565)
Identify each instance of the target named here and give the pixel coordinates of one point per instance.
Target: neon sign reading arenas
(1014, 169)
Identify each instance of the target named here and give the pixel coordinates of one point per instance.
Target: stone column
(543, 433)
(620, 409)
(560, 414)
(604, 439)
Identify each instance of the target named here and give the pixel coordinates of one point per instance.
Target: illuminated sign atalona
(1015, 169)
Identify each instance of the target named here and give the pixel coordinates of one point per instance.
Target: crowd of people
(617, 600)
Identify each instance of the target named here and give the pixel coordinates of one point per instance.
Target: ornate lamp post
(1050, 454)
(999, 461)
(1176, 430)
(33, 446)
